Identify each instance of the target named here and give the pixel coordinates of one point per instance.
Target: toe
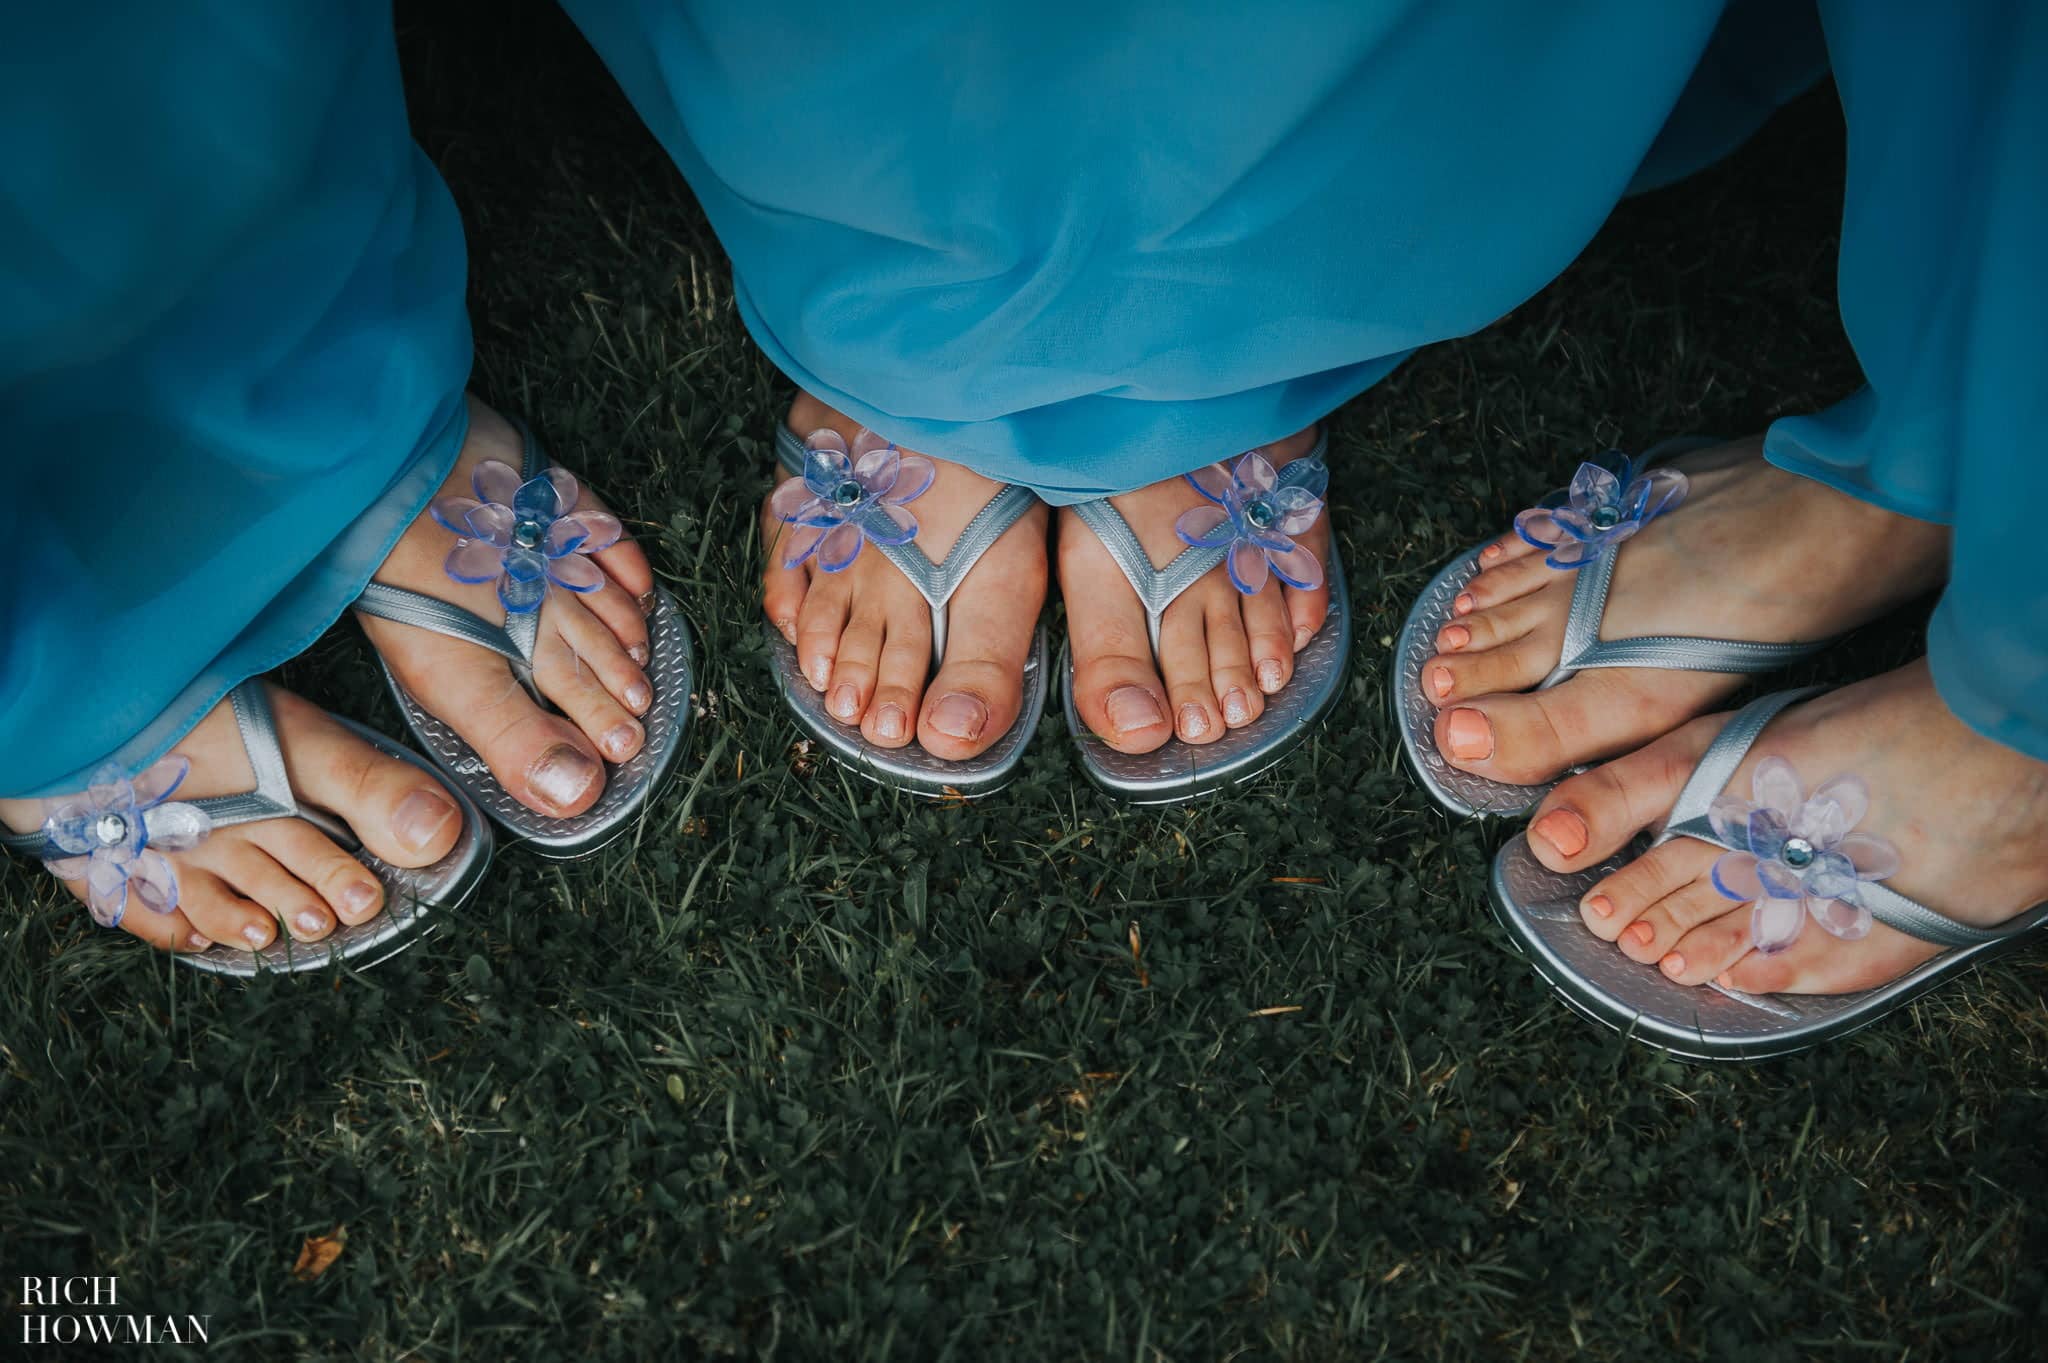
(616, 612)
(1616, 903)
(582, 697)
(783, 590)
(856, 665)
(1505, 549)
(351, 891)
(221, 913)
(818, 626)
(1184, 666)
(1116, 688)
(1709, 949)
(1503, 624)
(401, 813)
(1230, 664)
(597, 645)
(260, 877)
(1652, 936)
(1514, 666)
(1269, 638)
(991, 623)
(1596, 813)
(905, 662)
(1306, 611)
(1506, 581)
(1531, 737)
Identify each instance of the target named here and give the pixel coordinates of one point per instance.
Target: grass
(806, 1070)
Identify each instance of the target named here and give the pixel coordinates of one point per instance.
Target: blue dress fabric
(1078, 248)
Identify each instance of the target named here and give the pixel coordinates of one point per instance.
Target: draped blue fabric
(1076, 247)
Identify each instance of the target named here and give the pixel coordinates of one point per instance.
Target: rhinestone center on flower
(1798, 853)
(847, 493)
(1259, 511)
(1605, 517)
(110, 829)
(526, 534)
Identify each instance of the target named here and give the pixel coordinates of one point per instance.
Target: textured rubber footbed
(1540, 909)
(415, 901)
(911, 768)
(1460, 792)
(1183, 771)
(628, 786)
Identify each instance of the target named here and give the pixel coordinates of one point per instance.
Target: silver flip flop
(1462, 792)
(1179, 770)
(629, 785)
(414, 900)
(911, 768)
(1540, 909)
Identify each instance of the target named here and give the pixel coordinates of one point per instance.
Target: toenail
(198, 942)
(620, 741)
(1464, 604)
(639, 696)
(310, 922)
(959, 715)
(1563, 830)
(1456, 636)
(1132, 708)
(1301, 637)
(358, 899)
(889, 721)
(845, 701)
(638, 653)
(561, 775)
(1194, 721)
(1236, 709)
(419, 819)
(821, 672)
(1440, 681)
(1673, 965)
(787, 628)
(646, 601)
(256, 935)
(1271, 677)
(1468, 736)
(1490, 552)
(1724, 980)
(1642, 932)
(1601, 905)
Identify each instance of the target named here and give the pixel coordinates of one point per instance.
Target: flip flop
(1180, 770)
(910, 768)
(629, 785)
(414, 900)
(1469, 795)
(1540, 909)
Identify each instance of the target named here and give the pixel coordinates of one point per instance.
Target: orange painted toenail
(1468, 736)
(1440, 681)
(1272, 676)
(1673, 965)
(1724, 980)
(1236, 709)
(1464, 604)
(1563, 830)
(561, 775)
(1642, 932)
(1456, 636)
(1490, 552)
(1601, 905)
(419, 819)
(1131, 708)
(845, 701)
(961, 716)
(889, 721)
(1194, 721)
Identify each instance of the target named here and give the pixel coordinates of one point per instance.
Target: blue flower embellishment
(113, 837)
(1607, 502)
(845, 498)
(1798, 857)
(525, 535)
(1256, 516)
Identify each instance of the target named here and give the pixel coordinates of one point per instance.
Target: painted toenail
(561, 775)
(1673, 965)
(1194, 721)
(638, 653)
(620, 741)
(1440, 681)
(1302, 635)
(310, 922)
(1132, 708)
(419, 819)
(1601, 905)
(1236, 709)
(639, 696)
(1563, 830)
(1464, 604)
(256, 935)
(646, 601)
(1468, 735)
(1724, 980)
(1490, 552)
(1456, 636)
(1271, 676)
(889, 721)
(358, 899)
(845, 701)
(198, 941)
(959, 715)
(1642, 932)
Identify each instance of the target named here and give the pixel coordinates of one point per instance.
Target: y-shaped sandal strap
(936, 582)
(1688, 819)
(1158, 588)
(272, 797)
(514, 640)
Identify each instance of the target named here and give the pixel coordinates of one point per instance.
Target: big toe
(992, 621)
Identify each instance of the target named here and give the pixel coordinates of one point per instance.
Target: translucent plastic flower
(1606, 503)
(523, 536)
(1801, 857)
(113, 837)
(1258, 519)
(844, 499)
